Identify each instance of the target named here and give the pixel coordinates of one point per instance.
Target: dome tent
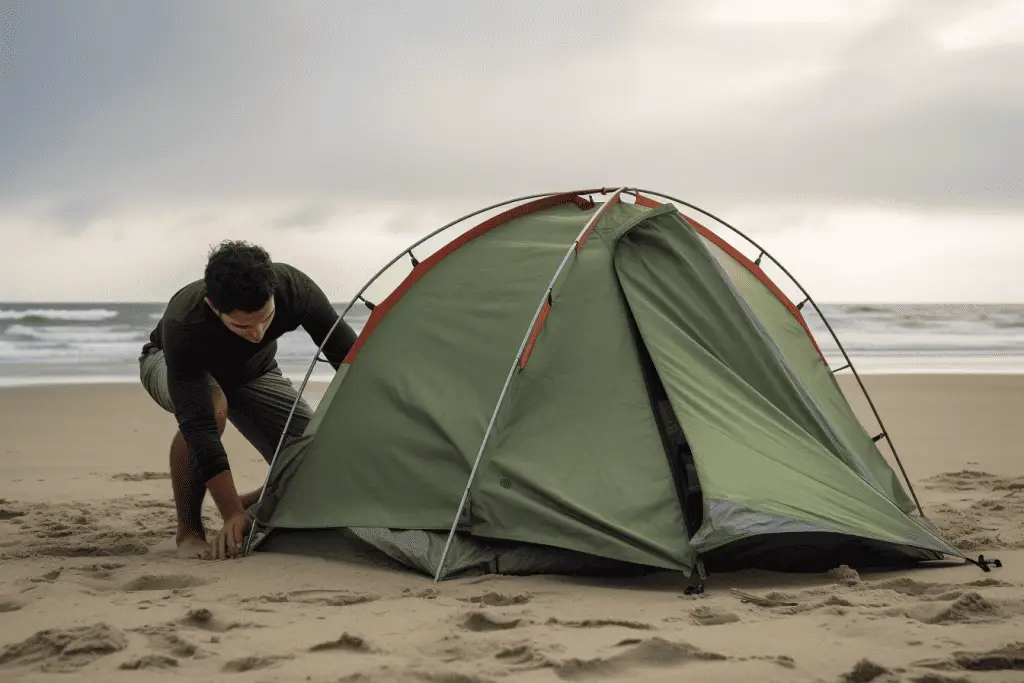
(573, 387)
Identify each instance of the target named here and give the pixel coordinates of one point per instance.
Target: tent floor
(421, 551)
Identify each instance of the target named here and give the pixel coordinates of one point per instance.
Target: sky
(875, 148)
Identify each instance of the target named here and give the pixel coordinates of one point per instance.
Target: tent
(575, 386)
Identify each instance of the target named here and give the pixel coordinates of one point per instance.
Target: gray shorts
(258, 410)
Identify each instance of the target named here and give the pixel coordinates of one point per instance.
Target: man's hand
(231, 538)
(228, 543)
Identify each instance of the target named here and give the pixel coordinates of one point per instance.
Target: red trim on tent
(743, 261)
(536, 331)
(383, 307)
(615, 199)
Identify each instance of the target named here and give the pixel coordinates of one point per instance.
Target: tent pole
(849, 362)
(358, 296)
(512, 370)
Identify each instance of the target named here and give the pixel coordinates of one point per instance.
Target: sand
(90, 588)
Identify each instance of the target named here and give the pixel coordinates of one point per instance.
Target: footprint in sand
(651, 653)
(150, 661)
(991, 523)
(482, 622)
(165, 636)
(969, 608)
(419, 674)
(94, 529)
(600, 623)
(1009, 657)
(254, 662)
(970, 480)
(524, 656)
(908, 586)
(48, 577)
(64, 650)
(318, 596)
(944, 603)
(163, 582)
(347, 642)
(10, 604)
(7, 514)
(493, 599)
(706, 615)
(203, 618)
(866, 671)
(101, 570)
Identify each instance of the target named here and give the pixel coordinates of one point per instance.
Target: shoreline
(864, 369)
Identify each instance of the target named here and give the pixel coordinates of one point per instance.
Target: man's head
(240, 285)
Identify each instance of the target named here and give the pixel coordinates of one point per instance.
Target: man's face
(251, 326)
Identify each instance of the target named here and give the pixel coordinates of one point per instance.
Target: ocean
(100, 342)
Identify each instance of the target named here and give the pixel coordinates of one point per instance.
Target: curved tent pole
(358, 296)
(408, 250)
(810, 300)
(544, 300)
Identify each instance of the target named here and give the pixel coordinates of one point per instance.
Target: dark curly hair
(239, 277)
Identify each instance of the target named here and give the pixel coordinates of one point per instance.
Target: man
(211, 358)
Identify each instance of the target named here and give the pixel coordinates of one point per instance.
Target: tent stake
(511, 373)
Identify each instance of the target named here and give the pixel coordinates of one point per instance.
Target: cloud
(304, 216)
(820, 101)
(338, 133)
(74, 216)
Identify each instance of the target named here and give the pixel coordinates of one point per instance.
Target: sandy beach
(90, 588)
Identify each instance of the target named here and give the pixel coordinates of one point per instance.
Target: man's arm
(317, 317)
(194, 412)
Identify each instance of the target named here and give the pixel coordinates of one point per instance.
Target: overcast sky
(875, 147)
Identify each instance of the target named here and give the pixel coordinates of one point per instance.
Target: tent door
(677, 448)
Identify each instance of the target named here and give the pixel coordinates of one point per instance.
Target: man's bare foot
(192, 547)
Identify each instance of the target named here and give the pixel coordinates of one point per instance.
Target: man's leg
(189, 492)
(259, 411)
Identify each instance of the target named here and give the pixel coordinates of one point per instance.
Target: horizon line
(831, 302)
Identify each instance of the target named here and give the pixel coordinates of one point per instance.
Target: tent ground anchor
(702, 578)
(986, 565)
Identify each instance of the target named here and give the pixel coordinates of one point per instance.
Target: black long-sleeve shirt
(195, 341)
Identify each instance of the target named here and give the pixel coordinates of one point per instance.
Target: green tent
(575, 387)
